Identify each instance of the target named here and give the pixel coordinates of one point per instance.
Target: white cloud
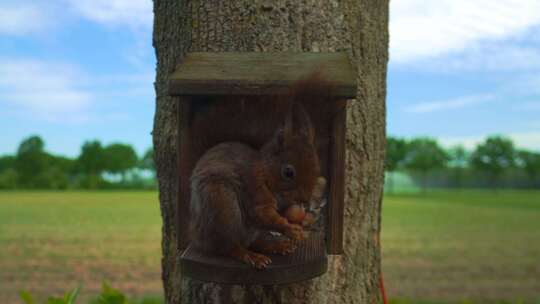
(426, 29)
(487, 57)
(135, 13)
(61, 92)
(450, 104)
(22, 19)
(46, 89)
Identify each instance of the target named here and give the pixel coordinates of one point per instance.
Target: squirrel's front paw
(256, 260)
(282, 247)
(295, 232)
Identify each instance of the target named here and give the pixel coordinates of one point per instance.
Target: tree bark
(357, 26)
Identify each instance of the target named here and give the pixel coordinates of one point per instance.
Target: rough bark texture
(358, 26)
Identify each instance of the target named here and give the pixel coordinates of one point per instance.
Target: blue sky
(74, 70)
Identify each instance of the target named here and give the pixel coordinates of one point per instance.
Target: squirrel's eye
(288, 172)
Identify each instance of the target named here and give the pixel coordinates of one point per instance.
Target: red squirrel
(240, 188)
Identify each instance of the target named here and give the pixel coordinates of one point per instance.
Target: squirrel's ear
(280, 139)
(302, 122)
(288, 128)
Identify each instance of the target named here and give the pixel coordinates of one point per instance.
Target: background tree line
(97, 167)
(493, 163)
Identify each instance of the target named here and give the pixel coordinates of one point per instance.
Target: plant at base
(69, 298)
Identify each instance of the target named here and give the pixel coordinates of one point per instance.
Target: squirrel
(242, 186)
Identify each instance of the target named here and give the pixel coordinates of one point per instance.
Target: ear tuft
(302, 123)
(288, 128)
(279, 136)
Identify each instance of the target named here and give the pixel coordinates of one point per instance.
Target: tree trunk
(357, 26)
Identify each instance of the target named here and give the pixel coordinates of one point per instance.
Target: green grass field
(51, 242)
(463, 245)
(442, 246)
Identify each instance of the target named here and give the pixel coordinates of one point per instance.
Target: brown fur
(237, 182)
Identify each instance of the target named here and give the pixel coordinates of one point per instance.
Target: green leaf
(26, 297)
(71, 297)
(110, 295)
(53, 300)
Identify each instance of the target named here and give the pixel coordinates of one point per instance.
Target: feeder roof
(258, 73)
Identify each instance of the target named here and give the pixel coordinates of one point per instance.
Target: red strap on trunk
(383, 292)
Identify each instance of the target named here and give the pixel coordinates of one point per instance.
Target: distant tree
(458, 161)
(424, 155)
(30, 161)
(495, 155)
(64, 164)
(8, 179)
(60, 172)
(7, 162)
(91, 160)
(396, 150)
(147, 161)
(530, 163)
(91, 163)
(119, 158)
(8, 175)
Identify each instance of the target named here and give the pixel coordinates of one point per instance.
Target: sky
(77, 70)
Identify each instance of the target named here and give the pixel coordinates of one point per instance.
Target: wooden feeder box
(201, 75)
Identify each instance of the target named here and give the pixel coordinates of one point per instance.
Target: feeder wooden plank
(250, 73)
(185, 165)
(306, 262)
(334, 228)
